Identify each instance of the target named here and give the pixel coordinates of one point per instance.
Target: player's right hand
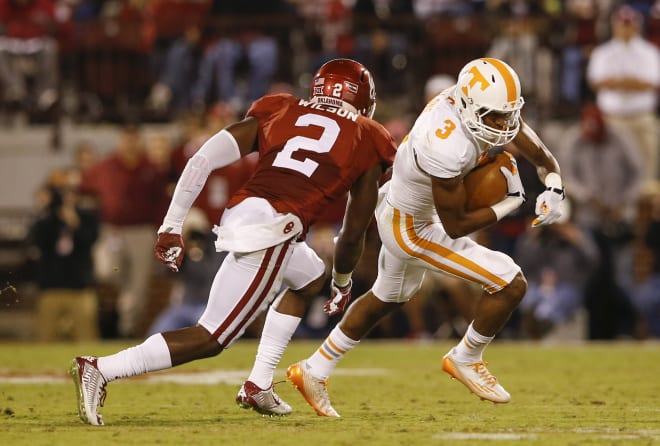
(341, 296)
(513, 183)
(169, 250)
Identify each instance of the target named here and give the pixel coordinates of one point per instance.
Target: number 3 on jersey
(321, 145)
(445, 131)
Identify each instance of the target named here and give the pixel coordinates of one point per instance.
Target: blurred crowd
(100, 60)
(198, 64)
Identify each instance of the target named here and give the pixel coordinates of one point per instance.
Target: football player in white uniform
(423, 225)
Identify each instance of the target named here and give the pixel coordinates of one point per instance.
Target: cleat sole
(73, 371)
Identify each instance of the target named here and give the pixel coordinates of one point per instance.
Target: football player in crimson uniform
(423, 225)
(311, 152)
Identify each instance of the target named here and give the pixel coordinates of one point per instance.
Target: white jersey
(413, 239)
(437, 145)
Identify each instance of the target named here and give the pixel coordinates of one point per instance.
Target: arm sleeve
(218, 151)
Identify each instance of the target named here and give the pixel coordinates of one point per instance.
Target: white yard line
(235, 377)
(601, 432)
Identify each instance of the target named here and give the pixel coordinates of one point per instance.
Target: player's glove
(548, 203)
(169, 250)
(513, 182)
(515, 195)
(341, 296)
(548, 207)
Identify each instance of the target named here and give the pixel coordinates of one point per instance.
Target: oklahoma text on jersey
(329, 107)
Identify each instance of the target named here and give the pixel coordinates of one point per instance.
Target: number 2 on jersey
(321, 145)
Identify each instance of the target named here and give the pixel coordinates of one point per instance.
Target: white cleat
(477, 378)
(90, 388)
(264, 401)
(314, 390)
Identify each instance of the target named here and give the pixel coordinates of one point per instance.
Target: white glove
(515, 195)
(513, 183)
(548, 203)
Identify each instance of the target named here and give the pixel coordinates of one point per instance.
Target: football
(485, 185)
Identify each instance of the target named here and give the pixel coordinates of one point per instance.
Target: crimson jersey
(310, 154)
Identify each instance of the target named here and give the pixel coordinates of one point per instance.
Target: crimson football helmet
(489, 85)
(347, 84)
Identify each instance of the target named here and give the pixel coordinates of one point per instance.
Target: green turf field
(388, 393)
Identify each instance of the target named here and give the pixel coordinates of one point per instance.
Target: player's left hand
(548, 206)
(169, 250)
(341, 296)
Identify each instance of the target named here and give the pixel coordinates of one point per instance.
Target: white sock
(153, 354)
(323, 361)
(277, 332)
(472, 346)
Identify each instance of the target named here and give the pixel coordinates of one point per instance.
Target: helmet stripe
(509, 81)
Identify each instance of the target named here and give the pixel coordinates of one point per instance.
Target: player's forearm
(358, 215)
(469, 223)
(218, 151)
(187, 190)
(347, 254)
(535, 151)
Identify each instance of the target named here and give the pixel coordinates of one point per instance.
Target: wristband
(553, 180)
(553, 183)
(168, 227)
(558, 191)
(506, 206)
(341, 279)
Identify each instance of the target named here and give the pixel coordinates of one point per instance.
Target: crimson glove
(341, 296)
(169, 250)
